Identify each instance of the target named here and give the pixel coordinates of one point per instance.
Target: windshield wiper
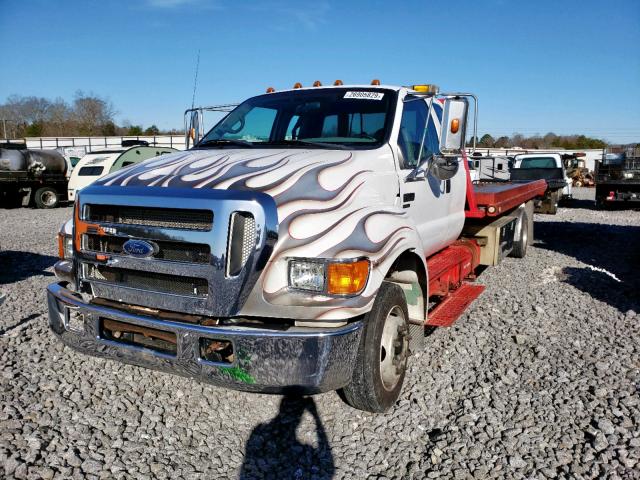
(223, 142)
(307, 143)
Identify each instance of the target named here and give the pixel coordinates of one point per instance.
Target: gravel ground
(539, 379)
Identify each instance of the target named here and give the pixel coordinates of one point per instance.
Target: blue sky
(537, 66)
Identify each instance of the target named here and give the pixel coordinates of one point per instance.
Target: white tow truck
(302, 245)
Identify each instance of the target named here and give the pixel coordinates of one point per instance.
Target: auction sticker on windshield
(365, 95)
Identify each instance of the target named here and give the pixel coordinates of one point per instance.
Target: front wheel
(381, 364)
(46, 197)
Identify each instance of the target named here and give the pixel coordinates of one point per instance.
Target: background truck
(618, 176)
(549, 167)
(33, 177)
(303, 245)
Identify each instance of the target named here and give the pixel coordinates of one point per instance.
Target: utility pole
(4, 127)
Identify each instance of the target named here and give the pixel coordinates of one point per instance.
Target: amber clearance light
(347, 278)
(455, 125)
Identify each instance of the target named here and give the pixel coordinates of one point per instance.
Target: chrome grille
(187, 226)
(242, 240)
(156, 282)
(170, 251)
(176, 218)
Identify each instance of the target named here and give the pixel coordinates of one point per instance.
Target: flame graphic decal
(328, 206)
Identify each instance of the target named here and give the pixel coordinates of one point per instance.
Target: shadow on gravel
(603, 287)
(611, 251)
(579, 203)
(16, 266)
(274, 451)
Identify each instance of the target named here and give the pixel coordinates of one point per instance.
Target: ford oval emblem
(139, 248)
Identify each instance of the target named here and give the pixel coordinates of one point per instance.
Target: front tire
(381, 363)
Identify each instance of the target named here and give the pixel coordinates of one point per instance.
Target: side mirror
(454, 123)
(444, 168)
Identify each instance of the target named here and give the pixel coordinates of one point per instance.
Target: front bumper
(303, 360)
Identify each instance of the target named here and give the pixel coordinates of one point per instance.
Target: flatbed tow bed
(453, 269)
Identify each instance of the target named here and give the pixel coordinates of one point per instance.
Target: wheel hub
(394, 348)
(48, 198)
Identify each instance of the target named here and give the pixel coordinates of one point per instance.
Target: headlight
(338, 277)
(306, 275)
(65, 246)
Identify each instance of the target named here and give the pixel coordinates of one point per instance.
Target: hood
(285, 175)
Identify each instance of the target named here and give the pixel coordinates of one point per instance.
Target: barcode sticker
(364, 95)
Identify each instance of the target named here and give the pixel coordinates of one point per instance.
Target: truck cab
(618, 176)
(297, 246)
(547, 166)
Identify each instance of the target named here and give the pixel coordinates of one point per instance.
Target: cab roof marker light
(375, 82)
(426, 88)
(317, 83)
(338, 83)
(271, 90)
(297, 85)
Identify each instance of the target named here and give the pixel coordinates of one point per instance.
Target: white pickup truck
(549, 167)
(303, 245)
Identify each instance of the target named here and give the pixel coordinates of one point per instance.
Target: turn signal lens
(61, 246)
(347, 278)
(65, 246)
(455, 125)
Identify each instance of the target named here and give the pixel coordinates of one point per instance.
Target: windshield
(538, 162)
(323, 118)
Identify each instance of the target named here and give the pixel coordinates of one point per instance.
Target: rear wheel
(46, 197)
(382, 355)
(520, 244)
(553, 202)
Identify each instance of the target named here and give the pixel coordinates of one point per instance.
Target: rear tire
(553, 203)
(522, 242)
(381, 363)
(46, 197)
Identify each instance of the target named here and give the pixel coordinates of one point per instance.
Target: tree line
(550, 140)
(85, 115)
(92, 115)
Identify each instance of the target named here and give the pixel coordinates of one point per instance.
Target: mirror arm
(418, 173)
(425, 131)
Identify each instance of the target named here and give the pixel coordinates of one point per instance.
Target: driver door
(425, 198)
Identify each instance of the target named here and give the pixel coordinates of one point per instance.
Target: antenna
(195, 80)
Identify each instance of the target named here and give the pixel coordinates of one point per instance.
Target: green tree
(34, 130)
(134, 130)
(486, 141)
(152, 130)
(109, 129)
